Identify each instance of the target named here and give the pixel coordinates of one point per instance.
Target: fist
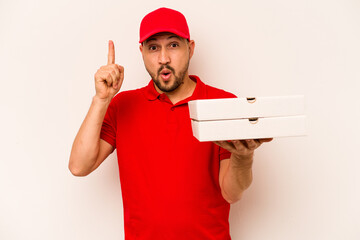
(109, 78)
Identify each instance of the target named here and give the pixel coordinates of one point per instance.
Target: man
(173, 186)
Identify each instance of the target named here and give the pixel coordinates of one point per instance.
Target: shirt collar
(199, 92)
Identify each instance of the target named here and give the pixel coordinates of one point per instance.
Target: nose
(164, 57)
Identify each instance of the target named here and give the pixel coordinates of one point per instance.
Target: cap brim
(171, 30)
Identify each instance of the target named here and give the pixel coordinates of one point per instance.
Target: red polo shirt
(169, 180)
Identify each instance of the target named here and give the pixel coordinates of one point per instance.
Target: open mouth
(165, 74)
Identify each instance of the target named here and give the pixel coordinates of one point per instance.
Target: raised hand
(109, 78)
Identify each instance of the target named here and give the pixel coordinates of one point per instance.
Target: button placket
(172, 115)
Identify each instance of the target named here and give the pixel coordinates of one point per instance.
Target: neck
(184, 91)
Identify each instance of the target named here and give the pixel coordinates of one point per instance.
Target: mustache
(167, 67)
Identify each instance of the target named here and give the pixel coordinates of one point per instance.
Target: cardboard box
(234, 108)
(248, 128)
(247, 118)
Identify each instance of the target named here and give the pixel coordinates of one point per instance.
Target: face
(166, 57)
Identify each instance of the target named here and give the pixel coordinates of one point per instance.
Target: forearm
(237, 178)
(86, 145)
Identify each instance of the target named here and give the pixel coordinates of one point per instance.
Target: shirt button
(172, 109)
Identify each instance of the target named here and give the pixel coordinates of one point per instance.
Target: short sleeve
(224, 154)
(108, 128)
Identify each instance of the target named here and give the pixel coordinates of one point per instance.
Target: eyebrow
(175, 36)
(154, 38)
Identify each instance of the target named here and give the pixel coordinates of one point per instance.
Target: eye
(174, 45)
(152, 48)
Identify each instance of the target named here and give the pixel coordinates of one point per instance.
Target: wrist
(242, 161)
(101, 101)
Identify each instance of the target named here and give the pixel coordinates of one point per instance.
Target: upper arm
(105, 150)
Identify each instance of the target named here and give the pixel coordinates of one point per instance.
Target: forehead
(163, 35)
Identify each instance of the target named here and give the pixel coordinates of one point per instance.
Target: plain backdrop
(303, 188)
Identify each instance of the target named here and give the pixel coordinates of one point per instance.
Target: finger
(121, 69)
(108, 78)
(265, 140)
(111, 54)
(219, 143)
(117, 71)
(239, 144)
(226, 145)
(117, 76)
(114, 72)
(113, 76)
(112, 68)
(101, 77)
(251, 144)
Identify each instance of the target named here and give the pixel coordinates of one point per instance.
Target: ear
(141, 48)
(191, 47)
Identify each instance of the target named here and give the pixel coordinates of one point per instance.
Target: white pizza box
(246, 107)
(252, 128)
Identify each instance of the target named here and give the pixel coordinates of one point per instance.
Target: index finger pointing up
(111, 54)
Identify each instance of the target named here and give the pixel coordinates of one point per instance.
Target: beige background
(304, 187)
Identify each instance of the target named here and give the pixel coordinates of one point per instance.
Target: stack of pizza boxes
(247, 118)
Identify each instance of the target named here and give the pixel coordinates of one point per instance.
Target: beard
(179, 79)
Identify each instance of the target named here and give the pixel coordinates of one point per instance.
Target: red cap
(164, 20)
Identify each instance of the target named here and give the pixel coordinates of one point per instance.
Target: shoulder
(206, 91)
(127, 95)
(126, 100)
(213, 92)
(210, 92)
